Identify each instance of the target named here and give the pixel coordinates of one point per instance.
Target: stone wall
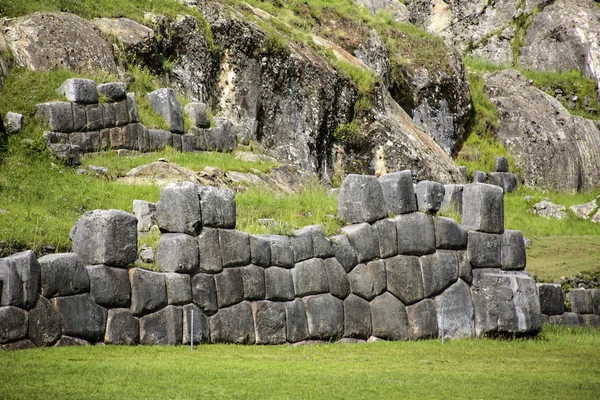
(584, 304)
(398, 272)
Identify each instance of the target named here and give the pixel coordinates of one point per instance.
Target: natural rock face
(396, 8)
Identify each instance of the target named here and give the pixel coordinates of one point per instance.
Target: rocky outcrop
(396, 8)
(553, 148)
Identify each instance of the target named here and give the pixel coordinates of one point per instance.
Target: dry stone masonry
(399, 272)
(585, 305)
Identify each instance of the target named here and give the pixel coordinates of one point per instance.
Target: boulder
(201, 328)
(43, 324)
(552, 298)
(344, 252)
(233, 324)
(336, 276)
(145, 214)
(361, 199)
(122, 327)
(137, 40)
(178, 252)
(422, 319)
(197, 114)
(80, 317)
(485, 250)
(387, 237)
(204, 293)
(109, 287)
(269, 322)
(363, 238)
(361, 282)
(179, 288)
(449, 234)
(282, 254)
(106, 237)
(230, 287)
(547, 209)
(57, 116)
(178, 209)
(13, 123)
(585, 211)
(389, 318)
(253, 282)
(20, 345)
(20, 274)
(310, 277)
(405, 278)
(63, 275)
(260, 251)
(416, 234)
(164, 327)
(279, 284)
(398, 192)
(13, 324)
(452, 203)
(325, 316)
(455, 312)
(217, 206)
(581, 301)
(235, 247)
(430, 196)
(357, 317)
(297, 325)
(210, 259)
(79, 90)
(148, 291)
(440, 270)
(164, 102)
(483, 208)
(513, 250)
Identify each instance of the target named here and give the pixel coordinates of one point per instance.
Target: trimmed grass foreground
(561, 363)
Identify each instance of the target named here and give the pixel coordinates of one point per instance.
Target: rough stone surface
(122, 327)
(269, 322)
(197, 114)
(67, 341)
(422, 319)
(14, 324)
(253, 282)
(109, 286)
(377, 271)
(260, 251)
(361, 282)
(585, 211)
(63, 275)
(595, 293)
(44, 325)
(416, 234)
(106, 237)
(159, 139)
(449, 234)
(282, 254)
(387, 236)
(144, 212)
(430, 196)
(507, 181)
(79, 90)
(210, 259)
(457, 309)
(501, 164)
(65, 153)
(297, 325)
(405, 278)
(80, 317)
(452, 203)
(310, 277)
(398, 192)
(325, 316)
(513, 250)
(361, 199)
(114, 91)
(20, 345)
(164, 327)
(552, 298)
(440, 270)
(547, 209)
(148, 291)
(363, 239)
(357, 317)
(322, 246)
(344, 252)
(581, 301)
(233, 324)
(465, 271)
(279, 284)
(201, 327)
(204, 293)
(485, 250)
(230, 287)
(164, 102)
(302, 245)
(389, 318)
(57, 115)
(336, 276)
(178, 209)
(179, 289)
(483, 208)
(20, 275)
(178, 252)
(13, 122)
(217, 206)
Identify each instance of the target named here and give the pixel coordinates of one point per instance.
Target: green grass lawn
(560, 363)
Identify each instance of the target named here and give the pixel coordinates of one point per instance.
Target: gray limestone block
(449, 234)
(302, 245)
(235, 247)
(325, 316)
(322, 246)
(132, 109)
(501, 164)
(122, 327)
(387, 236)
(57, 115)
(505, 180)
(94, 117)
(81, 317)
(571, 319)
(479, 177)
(193, 315)
(164, 327)
(13, 122)
(105, 139)
(233, 324)
(357, 317)
(513, 250)
(109, 287)
(56, 138)
(204, 293)
(279, 284)
(416, 234)
(65, 153)
(43, 324)
(310, 277)
(422, 319)
(398, 192)
(79, 118)
(143, 137)
(177, 142)
(159, 139)
(260, 251)
(253, 281)
(483, 208)
(200, 138)
(148, 291)
(389, 318)
(114, 91)
(552, 298)
(377, 271)
(405, 278)
(361, 199)
(13, 324)
(452, 203)
(592, 320)
(116, 138)
(363, 239)
(581, 301)
(465, 272)
(178, 252)
(440, 270)
(179, 288)
(106, 237)
(109, 115)
(224, 135)
(164, 102)
(20, 275)
(178, 209)
(79, 90)
(361, 282)
(217, 206)
(230, 287)
(595, 293)
(210, 251)
(282, 254)
(144, 212)
(67, 341)
(430, 196)
(455, 311)
(83, 140)
(336, 276)
(297, 325)
(63, 275)
(269, 322)
(188, 143)
(485, 250)
(344, 252)
(197, 113)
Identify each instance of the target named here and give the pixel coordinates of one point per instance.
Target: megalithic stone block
(483, 208)
(344, 252)
(164, 327)
(361, 199)
(485, 250)
(357, 317)
(217, 206)
(253, 282)
(44, 325)
(201, 326)
(132, 109)
(416, 234)
(302, 245)
(581, 301)
(115, 91)
(230, 287)
(178, 209)
(13, 324)
(63, 275)
(430, 196)
(338, 281)
(233, 324)
(179, 288)
(376, 269)
(269, 322)
(449, 234)
(109, 287)
(310, 277)
(455, 311)
(361, 282)
(159, 139)
(297, 325)
(279, 284)
(513, 250)
(122, 327)
(164, 102)
(398, 192)
(282, 254)
(552, 298)
(210, 251)
(325, 316)
(422, 319)
(197, 114)
(387, 236)
(204, 293)
(79, 90)
(57, 115)
(363, 239)
(260, 251)
(178, 252)
(235, 247)
(440, 270)
(148, 291)
(501, 164)
(452, 203)
(389, 318)
(405, 278)
(479, 177)
(81, 317)
(20, 274)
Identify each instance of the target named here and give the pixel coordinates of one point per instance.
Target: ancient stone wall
(398, 272)
(584, 304)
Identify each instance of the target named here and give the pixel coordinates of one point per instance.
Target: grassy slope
(561, 363)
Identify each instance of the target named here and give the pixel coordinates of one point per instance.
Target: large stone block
(164, 102)
(507, 181)
(302, 245)
(361, 282)
(80, 317)
(20, 275)
(325, 316)
(13, 122)
(260, 251)
(483, 208)
(210, 251)
(253, 282)
(269, 322)
(44, 325)
(13, 324)
(513, 250)
(132, 109)
(552, 298)
(201, 331)
(440, 270)
(361, 199)
(79, 90)
(63, 275)
(178, 209)
(357, 317)
(282, 254)
(455, 311)
(148, 291)
(94, 117)
(79, 118)
(416, 234)
(217, 206)
(322, 246)
(164, 327)
(222, 137)
(279, 284)
(109, 287)
(405, 278)
(389, 318)
(449, 234)
(569, 319)
(109, 115)
(122, 327)
(57, 115)
(310, 277)
(398, 192)
(595, 293)
(336, 276)
(106, 237)
(479, 177)
(145, 214)
(422, 319)
(297, 325)
(485, 250)
(387, 236)
(377, 271)
(179, 288)
(363, 239)
(204, 293)
(159, 139)
(465, 272)
(452, 203)
(344, 252)
(65, 153)
(114, 91)
(178, 252)
(501, 164)
(430, 196)
(230, 287)
(581, 301)
(235, 247)
(197, 113)
(233, 324)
